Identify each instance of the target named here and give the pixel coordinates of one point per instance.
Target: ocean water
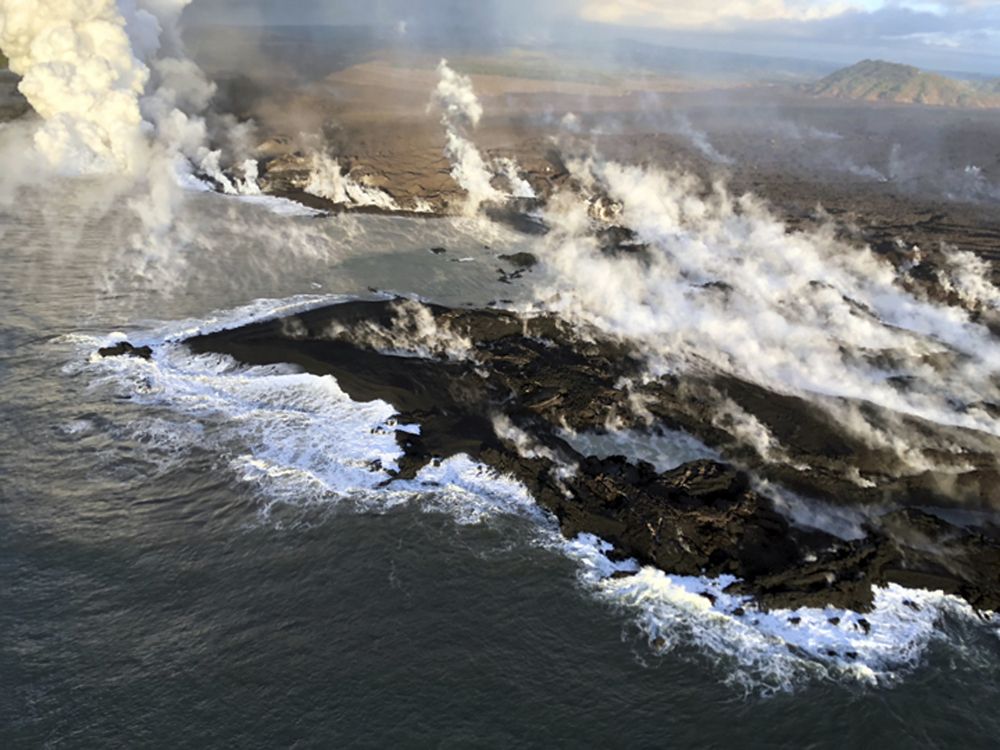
(196, 554)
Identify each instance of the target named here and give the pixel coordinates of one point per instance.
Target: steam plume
(723, 285)
(117, 95)
(461, 112)
(82, 76)
(327, 180)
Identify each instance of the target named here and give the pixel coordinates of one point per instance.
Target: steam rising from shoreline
(118, 97)
(461, 112)
(327, 180)
(82, 75)
(93, 72)
(721, 285)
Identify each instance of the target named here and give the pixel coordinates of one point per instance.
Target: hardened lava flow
(505, 388)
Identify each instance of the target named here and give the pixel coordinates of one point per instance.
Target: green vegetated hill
(876, 80)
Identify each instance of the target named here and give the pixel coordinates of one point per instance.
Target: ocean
(194, 555)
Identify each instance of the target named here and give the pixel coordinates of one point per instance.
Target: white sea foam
(776, 650)
(77, 427)
(471, 492)
(299, 439)
(280, 424)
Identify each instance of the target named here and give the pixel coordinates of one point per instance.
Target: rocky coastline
(517, 384)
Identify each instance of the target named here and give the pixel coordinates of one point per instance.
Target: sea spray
(300, 441)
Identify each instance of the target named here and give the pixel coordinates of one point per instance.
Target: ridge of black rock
(524, 378)
(125, 349)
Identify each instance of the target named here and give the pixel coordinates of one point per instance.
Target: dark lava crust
(522, 378)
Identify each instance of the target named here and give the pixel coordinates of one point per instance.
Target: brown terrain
(890, 175)
(880, 81)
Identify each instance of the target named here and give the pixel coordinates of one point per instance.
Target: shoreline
(720, 524)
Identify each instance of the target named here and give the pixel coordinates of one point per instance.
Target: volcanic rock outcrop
(503, 388)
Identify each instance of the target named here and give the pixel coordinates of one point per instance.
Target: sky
(949, 35)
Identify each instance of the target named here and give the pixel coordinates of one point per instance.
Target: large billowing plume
(84, 70)
(112, 84)
(118, 98)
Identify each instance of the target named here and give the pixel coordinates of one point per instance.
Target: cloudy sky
(943, 34)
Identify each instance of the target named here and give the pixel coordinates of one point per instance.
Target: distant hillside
(879, 81)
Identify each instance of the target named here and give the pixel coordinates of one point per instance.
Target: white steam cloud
(80, 74)
(722, 285)
(84, 68)
(458, 101)
(699, 139)
(117, 96)
(327, 180)
(461, 112)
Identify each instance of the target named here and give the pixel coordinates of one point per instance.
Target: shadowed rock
(504, 399)
(125, 349)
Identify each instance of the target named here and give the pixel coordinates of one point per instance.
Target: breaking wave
(298, 439)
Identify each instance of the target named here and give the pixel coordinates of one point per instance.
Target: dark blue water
(146, 600)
